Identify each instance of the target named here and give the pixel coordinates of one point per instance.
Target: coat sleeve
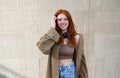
(47, 41)
(83, 65)
(83, 68)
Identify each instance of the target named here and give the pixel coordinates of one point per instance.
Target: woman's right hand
(53, 23)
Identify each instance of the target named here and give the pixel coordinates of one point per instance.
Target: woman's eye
(66, 19)
(62, 19)
(59, 19)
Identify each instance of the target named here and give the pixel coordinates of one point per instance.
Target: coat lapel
(55, 61)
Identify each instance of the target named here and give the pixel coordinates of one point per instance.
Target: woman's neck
(64, 30)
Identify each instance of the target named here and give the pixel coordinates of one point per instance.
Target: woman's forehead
(61, 16)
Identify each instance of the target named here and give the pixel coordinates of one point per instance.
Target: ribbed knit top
(66, 52)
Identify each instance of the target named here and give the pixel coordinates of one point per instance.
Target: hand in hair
(53, 23)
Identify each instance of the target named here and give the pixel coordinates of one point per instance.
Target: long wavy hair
(71, 30)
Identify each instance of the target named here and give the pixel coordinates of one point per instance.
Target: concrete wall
(22, 22)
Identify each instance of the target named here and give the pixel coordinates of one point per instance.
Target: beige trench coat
(47, 45)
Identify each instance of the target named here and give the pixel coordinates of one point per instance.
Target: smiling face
(62, 21)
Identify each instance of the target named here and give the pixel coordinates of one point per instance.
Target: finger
(54, 17)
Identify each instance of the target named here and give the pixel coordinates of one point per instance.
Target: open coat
(47, 45)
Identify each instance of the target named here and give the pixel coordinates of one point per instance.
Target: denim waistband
(72, 65)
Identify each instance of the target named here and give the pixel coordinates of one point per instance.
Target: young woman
(65, 48)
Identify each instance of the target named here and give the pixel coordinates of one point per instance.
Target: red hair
(71, 30)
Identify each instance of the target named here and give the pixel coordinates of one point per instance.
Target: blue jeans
(67, 71)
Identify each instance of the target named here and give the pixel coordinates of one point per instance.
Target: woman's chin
(63, 28)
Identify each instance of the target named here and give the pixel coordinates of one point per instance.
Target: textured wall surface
(18, 53)
(22, 22)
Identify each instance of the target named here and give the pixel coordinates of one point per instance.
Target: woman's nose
(63, 21)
